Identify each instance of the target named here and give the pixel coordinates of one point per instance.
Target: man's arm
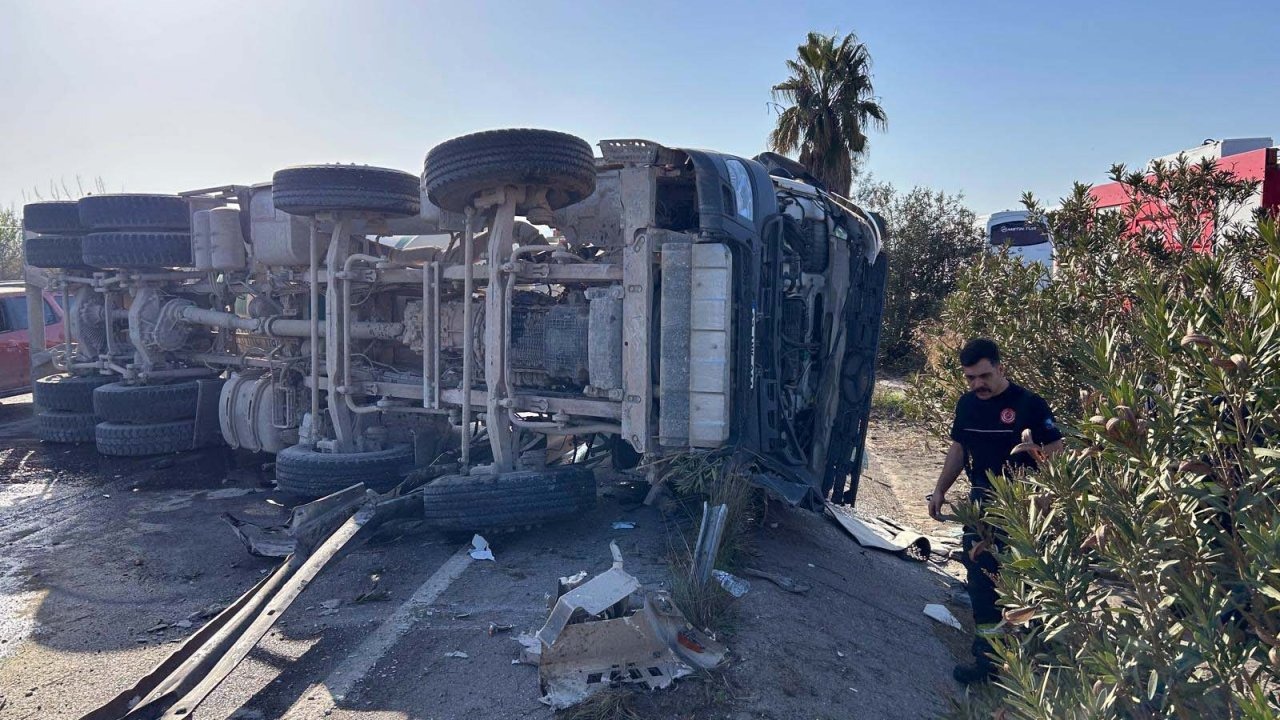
(951, 468)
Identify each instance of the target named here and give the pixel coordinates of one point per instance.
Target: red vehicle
(1246, 158)
(15, 343)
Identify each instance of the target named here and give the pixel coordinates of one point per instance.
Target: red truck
(15, 343)
(1246, 158)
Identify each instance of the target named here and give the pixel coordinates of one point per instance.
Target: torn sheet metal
(795, 494)
(266, 542)
(595, 639)
(881, 535)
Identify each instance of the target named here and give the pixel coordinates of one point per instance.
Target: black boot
(982, 670)
(975, 674)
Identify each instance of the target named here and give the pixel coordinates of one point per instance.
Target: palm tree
(831, 106)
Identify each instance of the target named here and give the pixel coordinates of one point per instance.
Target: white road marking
(346, 676)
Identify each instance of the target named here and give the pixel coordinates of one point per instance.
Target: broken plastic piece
(594, 639)
(530, 649)
(480, 549)
(624, 525)
(457, 654)
(942, 615)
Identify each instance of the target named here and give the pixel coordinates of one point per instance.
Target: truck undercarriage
(452, 347)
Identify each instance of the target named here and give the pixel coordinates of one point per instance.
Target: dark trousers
(982, 571)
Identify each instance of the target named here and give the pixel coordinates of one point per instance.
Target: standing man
(989, 424)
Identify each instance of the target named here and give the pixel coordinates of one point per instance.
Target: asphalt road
(105, 564)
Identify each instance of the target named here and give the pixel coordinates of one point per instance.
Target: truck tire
(137, 249)
(135, 212)
(118, 402)
(58, 217)
(458, 170)
(312, 189)
(304, 471)
(68, 393)
(133, 440)
(56, 426)
(53, 251)
(508, 501)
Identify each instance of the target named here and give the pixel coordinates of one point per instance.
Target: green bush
(931, 237)
(1142, 566)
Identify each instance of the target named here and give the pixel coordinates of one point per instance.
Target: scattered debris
(480, 549)
(624, 525)
(795, 494)
(265, 542)
(732, 584)
(375, 595)
(208, 612)
(461, 616)
(495, 628)
(595, 638)
(882, 535)
(159, 627)
(457, 654)
(565, 584)
(709, 536)
(942, 615)
(530, 649)
(791, 585)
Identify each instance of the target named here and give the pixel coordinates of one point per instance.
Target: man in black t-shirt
(989, 425)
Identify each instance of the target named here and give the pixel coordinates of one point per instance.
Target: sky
(985, 98)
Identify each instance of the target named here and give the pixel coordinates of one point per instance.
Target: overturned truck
(483, 329)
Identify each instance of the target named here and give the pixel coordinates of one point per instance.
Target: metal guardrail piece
(326, 530)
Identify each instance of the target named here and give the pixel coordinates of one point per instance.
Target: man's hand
(950, 471)
(1039, 453)
(935, 504)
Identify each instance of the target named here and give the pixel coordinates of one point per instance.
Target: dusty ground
(105, 564)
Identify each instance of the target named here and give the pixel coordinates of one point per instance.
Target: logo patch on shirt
(1007, 416)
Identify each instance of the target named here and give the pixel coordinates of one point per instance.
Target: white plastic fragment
(624, 525)
(596, 637)
(732, 584)
(530, 649)
(457, 654)
(480, 549)
(943, 615)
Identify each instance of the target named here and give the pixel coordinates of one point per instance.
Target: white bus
(1026, 241)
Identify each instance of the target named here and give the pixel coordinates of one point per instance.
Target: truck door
(13, 343)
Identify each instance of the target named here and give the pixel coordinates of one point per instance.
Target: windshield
(1018, 233)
